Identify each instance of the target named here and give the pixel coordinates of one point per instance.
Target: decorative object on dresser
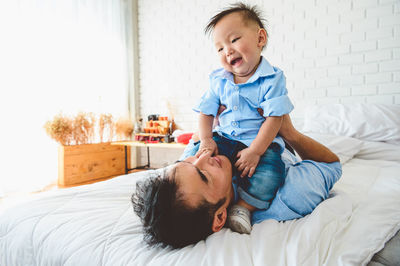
(158, 129)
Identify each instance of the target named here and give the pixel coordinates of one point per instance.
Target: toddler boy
(246, 82)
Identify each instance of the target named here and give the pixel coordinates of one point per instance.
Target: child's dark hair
(167, 219)
(249, 13)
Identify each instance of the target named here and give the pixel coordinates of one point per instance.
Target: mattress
(95, 225)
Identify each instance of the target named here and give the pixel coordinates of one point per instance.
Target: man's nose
(204, 158)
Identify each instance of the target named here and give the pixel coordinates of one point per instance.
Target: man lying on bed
(190, 201)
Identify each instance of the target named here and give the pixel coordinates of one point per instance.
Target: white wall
(334, 51)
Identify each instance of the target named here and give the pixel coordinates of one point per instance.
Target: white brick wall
(331, 51)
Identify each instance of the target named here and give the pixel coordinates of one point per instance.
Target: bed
(95, 224)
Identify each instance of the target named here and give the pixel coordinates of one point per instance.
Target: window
(56, 56)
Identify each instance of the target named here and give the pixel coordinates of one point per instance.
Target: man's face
(238, 46)
(205, 177)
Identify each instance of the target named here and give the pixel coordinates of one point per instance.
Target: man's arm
(306, 147)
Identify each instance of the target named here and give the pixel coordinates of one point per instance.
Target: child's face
(239, 45)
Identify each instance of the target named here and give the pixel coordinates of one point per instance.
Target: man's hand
(247, 162)
(216, 119)
(260, 112)
(207, 145)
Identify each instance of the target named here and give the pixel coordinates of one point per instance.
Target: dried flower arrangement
(60, 129)
(106, 122)
(124, 128)
(81, 128)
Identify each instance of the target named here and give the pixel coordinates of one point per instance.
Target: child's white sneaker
(239, 219)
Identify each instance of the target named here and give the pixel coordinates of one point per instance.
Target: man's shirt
(240, 121)
(307, 184)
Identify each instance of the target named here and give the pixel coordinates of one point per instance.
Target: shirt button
(236, 87)
(234, 124)
(235, 108)
(233, 133)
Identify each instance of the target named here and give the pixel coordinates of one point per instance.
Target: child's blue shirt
(240, 121)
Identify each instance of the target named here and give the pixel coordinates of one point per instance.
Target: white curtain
(56, 56)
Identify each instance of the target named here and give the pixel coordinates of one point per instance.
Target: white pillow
(371, 122)
(344, 147)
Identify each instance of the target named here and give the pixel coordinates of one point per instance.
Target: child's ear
(219, 219)
(262, 37)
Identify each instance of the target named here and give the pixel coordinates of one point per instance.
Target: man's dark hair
(249, 13)
(167, 219)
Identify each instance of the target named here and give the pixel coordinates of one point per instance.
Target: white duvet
(95, 225)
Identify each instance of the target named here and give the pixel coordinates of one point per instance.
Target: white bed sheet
(95, 225)
(371, 150)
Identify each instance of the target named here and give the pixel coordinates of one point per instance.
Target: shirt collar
(264, 69)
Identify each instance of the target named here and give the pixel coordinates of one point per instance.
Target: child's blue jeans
(260, 189)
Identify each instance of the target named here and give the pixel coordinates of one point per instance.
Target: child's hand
(247, 162)
(207, 145)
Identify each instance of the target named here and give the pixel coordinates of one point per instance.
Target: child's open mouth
(236, 61)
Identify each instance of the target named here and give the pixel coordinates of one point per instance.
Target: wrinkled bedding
(95, 225)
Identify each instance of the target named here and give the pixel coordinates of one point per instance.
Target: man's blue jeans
(260, 189)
